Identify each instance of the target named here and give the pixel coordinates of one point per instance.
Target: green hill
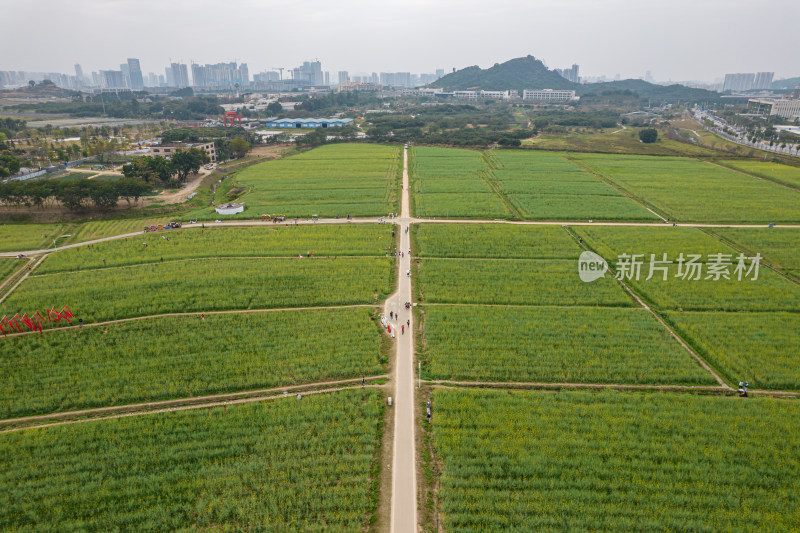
(530, 73)
(662, 93)
(519, 74)
(789, 83)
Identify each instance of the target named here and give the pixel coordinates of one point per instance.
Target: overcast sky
(674, 39)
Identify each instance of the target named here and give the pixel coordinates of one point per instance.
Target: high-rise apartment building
(738, 82)
(763, 80)
(135, 74)
(344, 77)
(309, 71)
(177, 75)
(79, 75)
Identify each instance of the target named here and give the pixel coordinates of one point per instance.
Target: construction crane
(279, 69)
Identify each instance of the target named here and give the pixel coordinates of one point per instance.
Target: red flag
(27, 321)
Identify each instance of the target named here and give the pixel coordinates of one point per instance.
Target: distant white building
(496, 95)
(466, 95)
(552, 95)
(788, 108)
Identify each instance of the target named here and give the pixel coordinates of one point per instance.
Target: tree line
(74, 195)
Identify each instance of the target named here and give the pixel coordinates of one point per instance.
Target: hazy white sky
(675, 39)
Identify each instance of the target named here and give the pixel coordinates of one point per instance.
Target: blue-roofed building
(310, 123)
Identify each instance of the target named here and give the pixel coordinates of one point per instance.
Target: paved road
(405, 220)
(404, 474)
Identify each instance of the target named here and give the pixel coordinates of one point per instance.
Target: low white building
(551, 95)
(229, 209)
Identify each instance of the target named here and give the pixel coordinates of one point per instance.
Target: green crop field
(611, 461)
(770, 292)
(107, 228)
(763, 348)
(8, 266)
(780, 247)
(340, 179)
(612, 241)
(614, 141)
(273, 241)
(773, 171)
(548, 186)
(542, 344)
(493, 241)
(206, 285)
(178, 357)
(513, 282)
(453, 183)
(281, 465)
(22, 237)
(689, 190)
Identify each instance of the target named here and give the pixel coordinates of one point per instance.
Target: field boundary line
(14, 275)
(144, 406)
(762, 178)
(209, 405)
(528, 306)
(601, 223)
(615, 186)
(740, 249)
(661, 321)
(413, 220)
(192, 313)
(209, 258)
(532, 385)
(494, 187)
(447, 383)
(33, 264)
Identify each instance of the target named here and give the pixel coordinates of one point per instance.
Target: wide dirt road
(404, 474)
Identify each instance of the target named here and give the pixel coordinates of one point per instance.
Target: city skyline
(605, 38)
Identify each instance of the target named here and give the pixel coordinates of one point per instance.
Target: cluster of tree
(10, 164)
(221, 136)
(329, 103)
(74, 195)
(541, 120)
(132, 105)
(327, 135)
(462, 125)
(648, 135)
(10, 126)
(161, 170)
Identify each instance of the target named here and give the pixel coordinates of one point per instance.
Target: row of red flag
(35, 322)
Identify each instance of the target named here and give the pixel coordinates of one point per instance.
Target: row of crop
(206, 285)
(547, 186)
(22, 237)
(280, 241)
(553, 345)
(340, 180)
(493, 241)
(177, 357)
(100, 229)
(451, 183)
(769, 170)
(283, 465)
(512, 282)
(610, 461)
(691, 190)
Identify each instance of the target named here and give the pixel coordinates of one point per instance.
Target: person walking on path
(402, 329)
